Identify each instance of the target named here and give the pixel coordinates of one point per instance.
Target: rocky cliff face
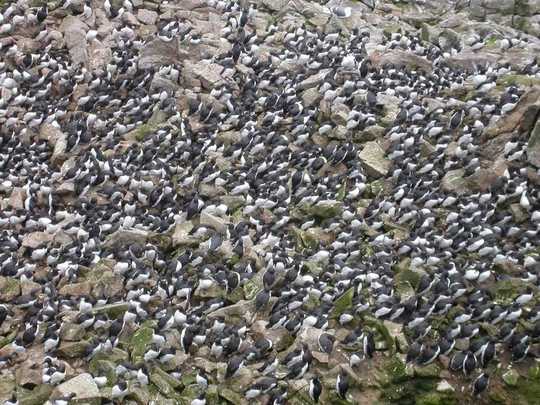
(216, 201)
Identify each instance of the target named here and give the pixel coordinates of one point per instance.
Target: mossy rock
(506, 291)
(103, 368)
(165, 383)
(431, 370)
(397, 386)
(526, 391)
(510, 377)
(231, 396)
(392, 371)
(8, 338)
(312, 302)
(10, 288)
(437, 398)
(517, 80)
(343, 303)
(323, 209)
(7, 387)
(252, 287)
(405, 277)
(312, 268)
(38, 396)
(188, 378)
(382, 331)
(116, 355)
(139, 342)
(113, 311)
(72, 350)
(305, 240)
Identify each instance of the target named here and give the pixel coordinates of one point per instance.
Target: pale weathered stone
(147, 16)
(373, 159)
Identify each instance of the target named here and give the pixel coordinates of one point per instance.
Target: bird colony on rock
(251, 232)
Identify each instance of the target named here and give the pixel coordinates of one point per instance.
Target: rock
(311, 97)
(510, 377)
(10, 289)
(396, 332)
(343, 303)
(242, 309)
(71, 332)
(448, 40)
(99, 56)
(483, 178)
(162, 83)
(533, 147)
(281, 339)
(126, 237)
(147, 16)
(164, 382)
(391, 108)
(444, 386)
(29, 287)
(208, 73)
(400, 58)
(113, 311)
(369, 134)
(522, 117)
(158, 53)
(453, 181)
(72, 350)
(325, 209)
(214, 291)
(215, 222)
(17, 197)
(7, 386)
(373, 159)
(139, 341)
(81, 289)
(74, 31)
(181, 234)
(84, 388)
(339, 114)
(34, 240)
(106, 284)
(429, 371)
(37, 396)
(314, 80)
(129, 19)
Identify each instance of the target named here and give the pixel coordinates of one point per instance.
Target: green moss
(392, 371)
(37, 396)
(72, 350)
(506, 290)
(7, 386)
(8, 338)
(165, 383)
(383, 333)
(323, 209)
(112, 310)
(491, 42)
(305, 240)
(343, 303)
(517, 80)
(312, 268)
(252, 287)
(139, 341)
(104, 368)
(437, 398)
(231, 396)
(528, 389)
(10, 288)
(399, 387)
